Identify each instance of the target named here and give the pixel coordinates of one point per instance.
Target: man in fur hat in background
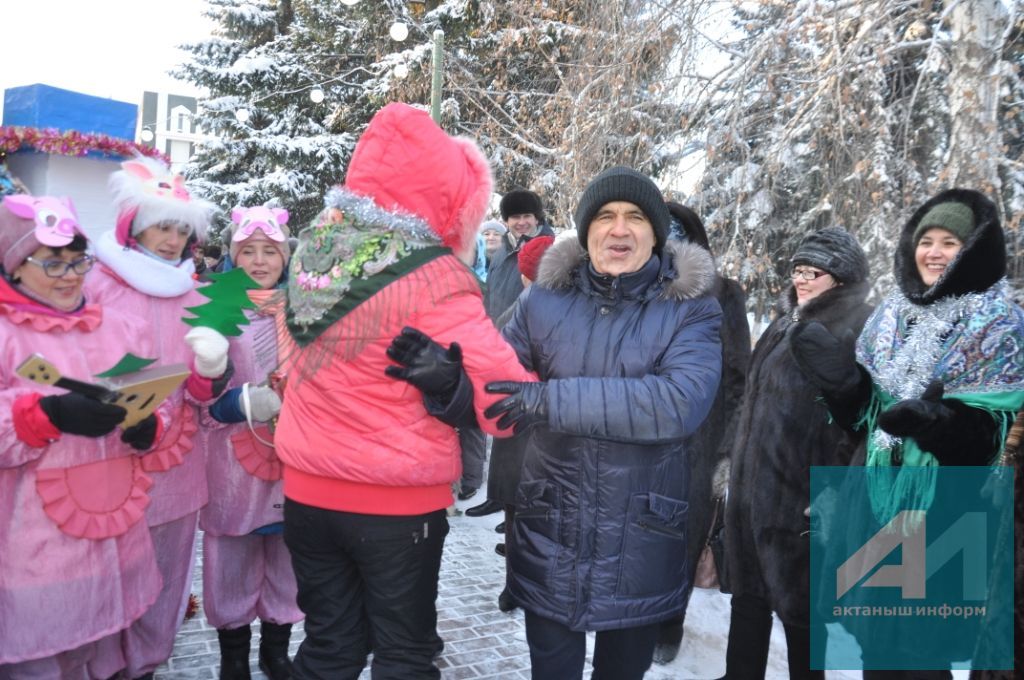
(523, 214)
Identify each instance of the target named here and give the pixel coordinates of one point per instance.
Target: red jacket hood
(405, 161)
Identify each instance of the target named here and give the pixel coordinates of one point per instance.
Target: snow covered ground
(702, 654)
(482, 642)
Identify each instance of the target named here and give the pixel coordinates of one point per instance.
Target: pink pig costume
(245, 575)
(157, 292)
(76, 561)
(247, 571)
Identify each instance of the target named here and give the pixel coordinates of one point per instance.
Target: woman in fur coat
(783, 430)
(708, 446)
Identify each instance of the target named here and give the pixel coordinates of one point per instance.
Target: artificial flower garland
(70, 143)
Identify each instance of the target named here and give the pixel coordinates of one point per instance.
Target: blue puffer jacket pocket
(653, 547)
(535, 530)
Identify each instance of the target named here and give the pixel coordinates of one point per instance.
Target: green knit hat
(957, 218)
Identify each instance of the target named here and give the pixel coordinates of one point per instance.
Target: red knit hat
(530, 254)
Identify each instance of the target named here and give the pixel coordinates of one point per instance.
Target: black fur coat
(783, 429)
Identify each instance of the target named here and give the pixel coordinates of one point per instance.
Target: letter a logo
(909, 576)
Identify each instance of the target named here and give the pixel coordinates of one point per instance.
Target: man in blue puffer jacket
(621, 331)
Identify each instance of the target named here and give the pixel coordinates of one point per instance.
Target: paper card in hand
(139, 392)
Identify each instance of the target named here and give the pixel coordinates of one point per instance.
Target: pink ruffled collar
(20, 309)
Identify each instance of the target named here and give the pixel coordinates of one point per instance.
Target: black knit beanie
(521, 202)
(836, 251)
(623, 184)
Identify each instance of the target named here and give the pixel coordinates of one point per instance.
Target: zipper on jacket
(658, 529)
(574, 579)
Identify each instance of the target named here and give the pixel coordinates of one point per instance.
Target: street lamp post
(437, 65)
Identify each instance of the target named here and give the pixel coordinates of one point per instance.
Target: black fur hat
(836, 251)
(980, 263)
(686, 225)
(521, 202)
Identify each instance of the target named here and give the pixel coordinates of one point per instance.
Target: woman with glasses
(783, 429)
(76, 561)
(144, 269)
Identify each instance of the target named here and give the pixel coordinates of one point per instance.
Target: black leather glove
(425, 364)
(953, 432)
(78, 414)
(526, 405)
(218, 385)
(140, 436)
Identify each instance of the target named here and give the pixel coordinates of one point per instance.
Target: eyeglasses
(806, 274)
(58, 268)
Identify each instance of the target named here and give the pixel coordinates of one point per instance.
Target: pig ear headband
(147, 193)
(267, 220)
(56, 221)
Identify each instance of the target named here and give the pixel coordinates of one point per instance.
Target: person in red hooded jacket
(367, 470)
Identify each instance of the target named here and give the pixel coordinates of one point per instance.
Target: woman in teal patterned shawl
(944, 352)
(939, 370)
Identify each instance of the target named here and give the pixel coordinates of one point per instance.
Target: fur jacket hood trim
(690, 275)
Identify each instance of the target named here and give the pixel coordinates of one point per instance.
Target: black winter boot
(670, 637)
(274, 661)
(234, 652)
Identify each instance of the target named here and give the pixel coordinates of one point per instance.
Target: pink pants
(100, 659)
(149, 641)
(245, 577)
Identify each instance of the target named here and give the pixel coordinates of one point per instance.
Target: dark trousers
(557, 653)
(750, 633)
(671, 632)
(473, 442)
(366, 580)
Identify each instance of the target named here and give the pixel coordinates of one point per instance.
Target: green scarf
(891, 487)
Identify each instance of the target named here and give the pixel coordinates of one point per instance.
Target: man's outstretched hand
(526, 405)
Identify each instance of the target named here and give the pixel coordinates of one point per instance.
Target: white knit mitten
(264, 403)
(211, 350)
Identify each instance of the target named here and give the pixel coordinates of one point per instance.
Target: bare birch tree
(853, 112)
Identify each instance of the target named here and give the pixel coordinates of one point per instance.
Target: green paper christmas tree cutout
(129, 363)
(228, 297)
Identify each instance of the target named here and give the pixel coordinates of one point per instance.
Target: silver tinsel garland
(927, 328)
(364, 210)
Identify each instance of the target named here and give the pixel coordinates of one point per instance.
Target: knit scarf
(972, 343)
(344, 264)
